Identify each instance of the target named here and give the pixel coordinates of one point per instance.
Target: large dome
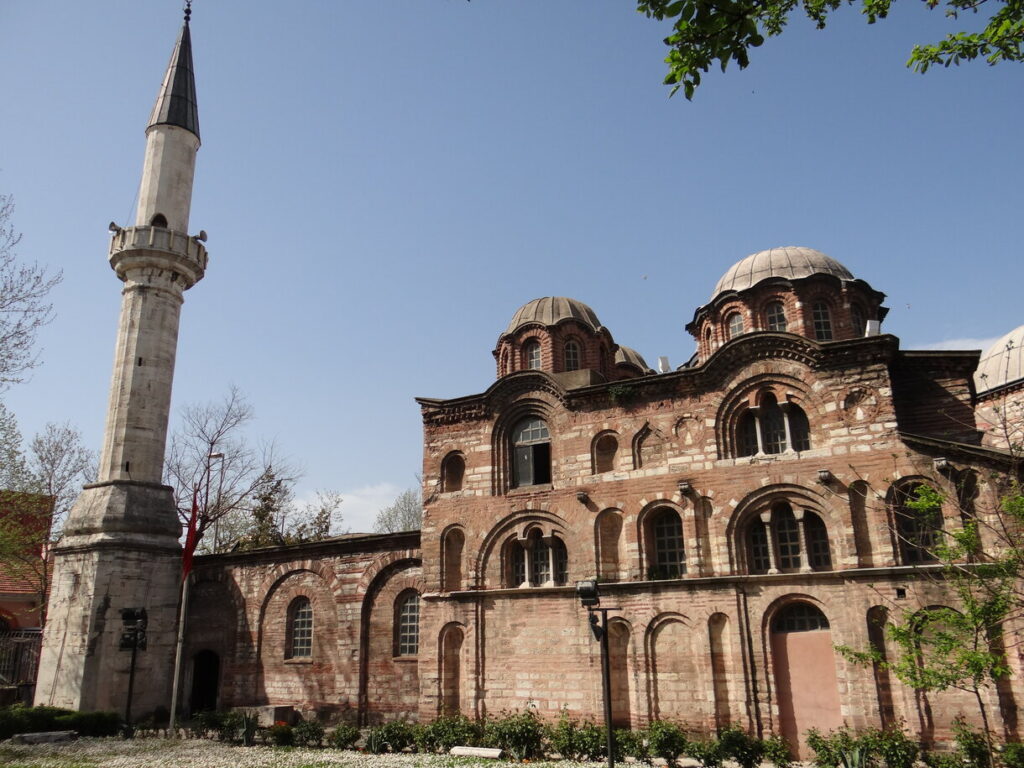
(551, 310)
(788, 262)
(1002, 363)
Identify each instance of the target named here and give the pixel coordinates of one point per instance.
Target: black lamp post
(133, 638)
(590, 599)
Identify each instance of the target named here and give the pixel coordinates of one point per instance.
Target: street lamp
(133, 638)
(590, 599)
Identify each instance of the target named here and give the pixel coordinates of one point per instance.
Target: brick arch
(533, 406)
(831, 514)
(383, 562)
(749, 392)
(644, 539)
(524, 518)
(282, 573)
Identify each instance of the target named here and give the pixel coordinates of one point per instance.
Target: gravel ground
(197, 753)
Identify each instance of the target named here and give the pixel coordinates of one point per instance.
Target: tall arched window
(572, 356)
(822, 318)
(299, 635)
(531, 355)
(772, 428)
(531, 453)
(857, 321)
(407, 624)
(781, 540)
(734, 325)
(918, 524)
(605, 450)
(453, 469)
(665, 537)
(775, 316)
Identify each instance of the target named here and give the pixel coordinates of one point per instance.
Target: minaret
(120, 545)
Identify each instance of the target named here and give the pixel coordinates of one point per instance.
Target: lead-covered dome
(787, 262)
(551, 310)
(1002, 363)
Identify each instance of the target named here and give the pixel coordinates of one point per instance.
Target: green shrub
(972, 745)
(1013, 755)
(208, 722)
(281, 735)
(627, 743)
(943, 759)
(451, 731)
(89, 723)
(829, 750)
(343, 737)
(230, 726)
(375, 742)
(521, 734)
(574, 740)
(777, 752)
(707, 752)
(21, 719)
(309, 733)
(396, 735)
(740, 746)
(665, 740)
(895, 748)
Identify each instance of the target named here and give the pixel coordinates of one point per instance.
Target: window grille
(822, 321)
(301, 626)
(409, 626)
(734, 325)
(670, 558)
(533, 356)
(572, 356)
(799, 617)
(775, 316)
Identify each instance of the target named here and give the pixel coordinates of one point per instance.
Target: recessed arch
(453, 471)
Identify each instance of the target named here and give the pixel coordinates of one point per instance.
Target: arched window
(531, 452)
(668, 560)
(539, 561)
(605, 450)
(733, 325)
(781, 540)
(857, 323)
(918, 524)
(407, 624)
(775, 316)
(822, 318)
(707, 340)
(453, 469)
(799, 617)
(451, 551)
(771, 428)
(572, 356)
(158, 220)
(299, 640)
(531, 355)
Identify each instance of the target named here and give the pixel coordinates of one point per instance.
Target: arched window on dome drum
(786, 542)
(822, 318)
(407, 624)
(531, 452)
(734, 325)
(531, 355)
(666, 536)
(299, 641)
(775, 317)
(857, 323)
(772, 428)
(572, 356)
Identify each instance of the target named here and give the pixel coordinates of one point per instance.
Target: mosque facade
(743, 514)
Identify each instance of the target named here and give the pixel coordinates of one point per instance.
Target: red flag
(191, 538)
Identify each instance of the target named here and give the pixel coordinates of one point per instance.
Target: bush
(231, 726)
(309, 733)
(972, 745)
(375, 742)
(627, 743)
(574, 740)
(451, 731)
(520, 734)
(281, 735)
(830, 751)
(89, 723)
(665, 740)
(943, 760)
(1013, 755)
(707, 752)
(343, 737)
(20, 719)
(394, 736)
(895, 748)
(738, 745)
(777, 751)
(208, 722)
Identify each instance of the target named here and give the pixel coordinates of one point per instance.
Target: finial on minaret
(188, 10)
(176, 101)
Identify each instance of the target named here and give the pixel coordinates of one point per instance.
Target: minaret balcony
(159, 248)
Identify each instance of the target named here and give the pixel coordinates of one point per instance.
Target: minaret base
(105, 562)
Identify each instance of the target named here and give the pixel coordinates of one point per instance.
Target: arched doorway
(205, 682)
(805, 674)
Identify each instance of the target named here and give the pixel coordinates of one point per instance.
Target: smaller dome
(1002, 363)
(630, 356)
(788, 262)
(551, 310)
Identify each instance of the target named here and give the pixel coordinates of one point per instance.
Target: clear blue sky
(385, 183)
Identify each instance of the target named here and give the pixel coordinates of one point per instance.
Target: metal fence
(19, 660)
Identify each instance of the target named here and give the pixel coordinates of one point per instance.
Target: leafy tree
(708, 31)
(405, 514)
(24, 308)
(315, 521)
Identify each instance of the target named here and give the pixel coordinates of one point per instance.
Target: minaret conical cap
(176, 102)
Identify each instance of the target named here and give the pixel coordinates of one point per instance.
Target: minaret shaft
(167, 174)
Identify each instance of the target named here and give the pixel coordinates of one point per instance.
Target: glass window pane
(775, 316)
(773, 428)
(817, 542)
(799, 617)
(734, 325)
(759, 559)
(532, 352)
(822, 321)
(301, 629)
(670, 558)
(572, 356)
(748, 435)
(409, 626)
(787, 537)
